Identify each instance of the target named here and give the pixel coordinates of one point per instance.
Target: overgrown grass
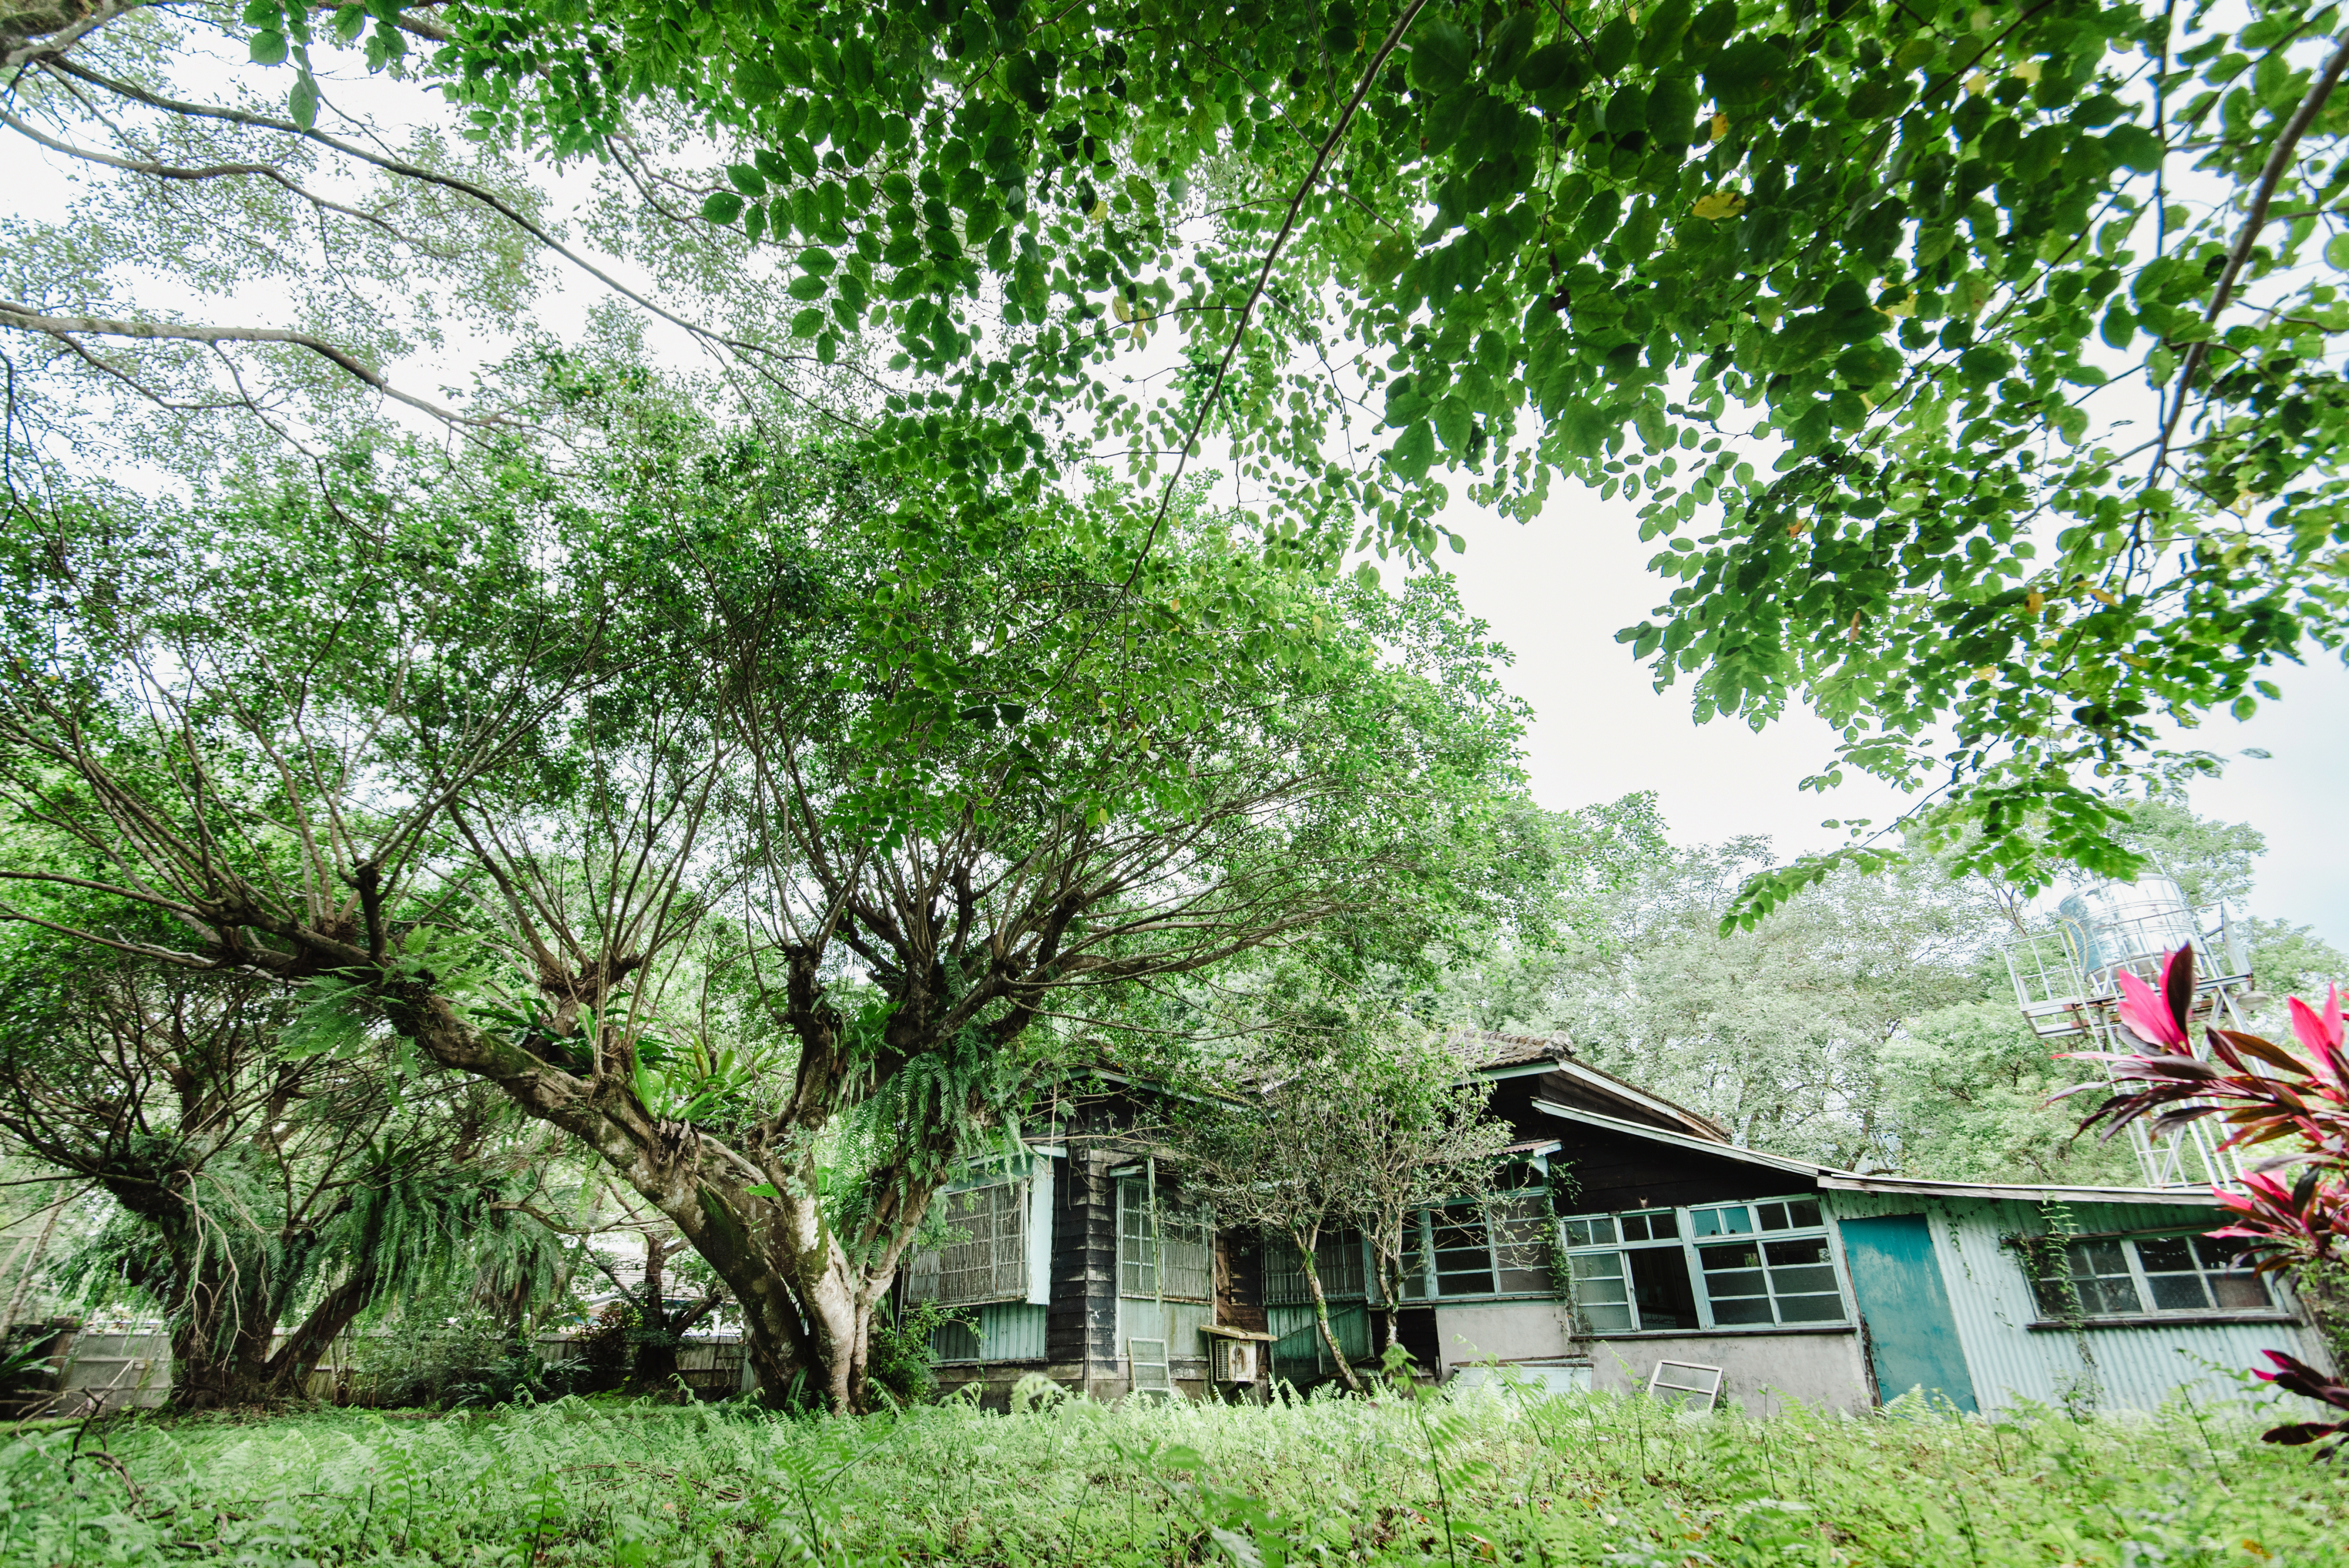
(1486, 1477)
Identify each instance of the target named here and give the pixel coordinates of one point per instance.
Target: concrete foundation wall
(1761, 1371)
(1502, 1331)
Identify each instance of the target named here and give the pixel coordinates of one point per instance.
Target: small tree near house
(1356, 1119)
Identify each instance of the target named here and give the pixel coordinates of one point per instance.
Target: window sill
(1731, 1331)
(2161, 1320)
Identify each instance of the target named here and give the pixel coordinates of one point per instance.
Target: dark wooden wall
(1080, 1321)
(1617, 1171)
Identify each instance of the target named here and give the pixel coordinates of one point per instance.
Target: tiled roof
(1484, 1049)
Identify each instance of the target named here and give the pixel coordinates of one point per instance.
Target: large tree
(703, 800)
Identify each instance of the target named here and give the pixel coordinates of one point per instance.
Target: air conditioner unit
(1236, 1360)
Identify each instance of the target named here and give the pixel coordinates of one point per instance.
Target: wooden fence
(103, 1371)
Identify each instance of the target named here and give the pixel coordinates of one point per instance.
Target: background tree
(1872, 1018)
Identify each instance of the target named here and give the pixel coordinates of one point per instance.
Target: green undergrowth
(1493, 1476)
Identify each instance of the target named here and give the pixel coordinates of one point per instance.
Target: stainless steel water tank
(2128, 924)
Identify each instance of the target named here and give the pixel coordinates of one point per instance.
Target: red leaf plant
(2265, 1094)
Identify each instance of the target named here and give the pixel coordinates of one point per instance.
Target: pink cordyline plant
(2293, 1210)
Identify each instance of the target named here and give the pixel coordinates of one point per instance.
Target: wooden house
(1636, 1236)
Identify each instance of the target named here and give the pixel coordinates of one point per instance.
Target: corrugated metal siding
(1011, 1331)
(1297, 1337)
(2012, 1364)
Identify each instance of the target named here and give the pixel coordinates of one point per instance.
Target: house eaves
(1680, 1140)
(1607, 1083)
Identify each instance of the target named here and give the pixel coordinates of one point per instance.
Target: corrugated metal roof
(2023, 1193)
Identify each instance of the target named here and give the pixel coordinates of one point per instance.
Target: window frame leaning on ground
(1696, 1233)
(2210, 1265)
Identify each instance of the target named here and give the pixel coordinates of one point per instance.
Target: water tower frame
(2067, 983)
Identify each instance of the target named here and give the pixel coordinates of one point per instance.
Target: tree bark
(1305, 1245)
(220, 1337)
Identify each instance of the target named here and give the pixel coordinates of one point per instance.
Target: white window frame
(2141, 1280)
(1690, 1246)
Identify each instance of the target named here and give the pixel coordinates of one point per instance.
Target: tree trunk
(754, 1215)
(220, 1343)
(289, 1367)
(655, 1371)
(1305, 1246)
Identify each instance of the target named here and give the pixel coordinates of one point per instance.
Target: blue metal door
(1912, 1334)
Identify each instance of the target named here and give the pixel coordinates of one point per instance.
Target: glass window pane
(1183, 1237)
(1803, 1212)
(2165, 1254)
(1660, 1283)
(2241, 1292)
(1521, 1243)
(1739, 1311)
(1662, 1225)
(1599, 1276)
(1137, 1250)
(2233, 1284)
(2110, 1297)
(1598, 1230)
(1788, 1254)
(1810, 1309)
(1736, 1221)
(2100, 1274)
(1600, 1298)
(1741, 1255)
(2178, 1292)
(1733, 1284)
(2217, 1256)
(1339, 1259)
(1414, 1259)
(1463, 1254)
(985, 1255)
(1771, 1215)
(2098, 1258)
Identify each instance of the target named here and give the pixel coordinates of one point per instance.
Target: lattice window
(1337, 1257)
(986, 1255)
(1179, 1243)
